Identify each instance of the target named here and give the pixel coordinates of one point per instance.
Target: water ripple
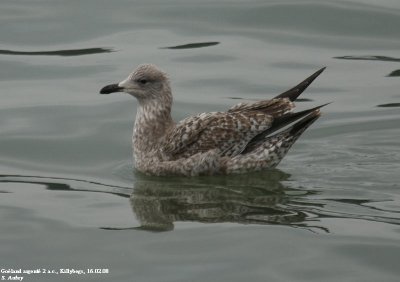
(394, 73)
(369, 58)
(68, 52)
(389, 105)
(192, 45)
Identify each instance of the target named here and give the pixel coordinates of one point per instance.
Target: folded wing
(240, 129)
(227, 132)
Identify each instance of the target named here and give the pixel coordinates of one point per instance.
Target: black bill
(111, 89)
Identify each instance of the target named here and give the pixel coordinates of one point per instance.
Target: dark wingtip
(295, 92)
(297, 122)
(293, 117)
(110, 89)
(304, 123)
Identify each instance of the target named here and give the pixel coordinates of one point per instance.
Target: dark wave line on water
(343, 215)
(364, 203)
(59, 186)
(369, 58)
(389, 105)
(192, 45)
(69, 52)
(394, 73)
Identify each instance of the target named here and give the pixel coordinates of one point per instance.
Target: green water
(69, 198)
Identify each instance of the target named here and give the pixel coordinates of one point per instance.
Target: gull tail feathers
(293, 93)
(269, 152)
(280, 123)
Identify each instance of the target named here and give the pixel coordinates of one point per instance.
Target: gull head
(146, 82)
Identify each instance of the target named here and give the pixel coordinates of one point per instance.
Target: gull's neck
(153, 119)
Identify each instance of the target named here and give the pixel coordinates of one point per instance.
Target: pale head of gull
(145, 83)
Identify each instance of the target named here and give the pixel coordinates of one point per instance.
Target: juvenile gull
(247, 137)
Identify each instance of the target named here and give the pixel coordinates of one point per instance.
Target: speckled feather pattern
(207, 143)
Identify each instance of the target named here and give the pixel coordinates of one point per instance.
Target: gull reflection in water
(256, 198)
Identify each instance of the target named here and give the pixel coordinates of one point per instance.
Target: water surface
(69, 198)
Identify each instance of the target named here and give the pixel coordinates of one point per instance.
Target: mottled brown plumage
(239, 140)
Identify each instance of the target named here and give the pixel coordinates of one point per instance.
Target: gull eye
(142, 81)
